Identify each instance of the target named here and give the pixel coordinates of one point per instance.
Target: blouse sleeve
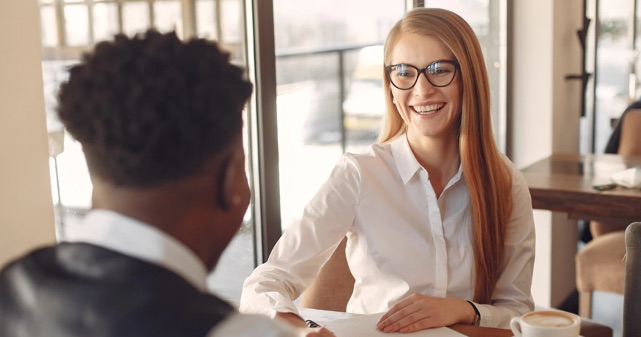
(306, 245)
(512, 295)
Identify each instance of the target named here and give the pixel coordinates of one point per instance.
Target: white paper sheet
(630, 178)
(365, 325)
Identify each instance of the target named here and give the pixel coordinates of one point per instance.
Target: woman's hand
(420, 312)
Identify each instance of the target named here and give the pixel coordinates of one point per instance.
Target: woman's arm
(306, 245)
(630, 144)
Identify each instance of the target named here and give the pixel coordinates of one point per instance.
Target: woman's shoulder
(508, 162)
(518, 179)
(373, 151)
(373, 160)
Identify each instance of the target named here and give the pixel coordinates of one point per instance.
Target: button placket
(436, 227)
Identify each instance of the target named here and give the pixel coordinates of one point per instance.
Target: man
(160, 122)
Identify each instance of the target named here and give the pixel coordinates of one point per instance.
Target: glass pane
(311, 40)
(76, 25)
(74, 1)
(75, 185)
(105, 21)
(135, 17)
(205, 19)
(46, 2)
(168, 16)
(474, 12)
(48, 28)
(614, 56)
(232, 31)
(71, 186)
(309, 127)
(364, 103)
(53, 74)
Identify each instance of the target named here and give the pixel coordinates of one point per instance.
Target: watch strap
(477, 314)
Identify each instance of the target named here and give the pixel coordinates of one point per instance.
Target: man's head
(160, 123)
(152, 108)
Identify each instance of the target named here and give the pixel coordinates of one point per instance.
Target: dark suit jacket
(78, 289)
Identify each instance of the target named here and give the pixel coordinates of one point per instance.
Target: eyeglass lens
(405, 76)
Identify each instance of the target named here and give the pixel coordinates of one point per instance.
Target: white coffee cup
(549, 323)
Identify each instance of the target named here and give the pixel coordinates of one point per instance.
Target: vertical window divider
(60, 23)
(263, 127)
(189, 18)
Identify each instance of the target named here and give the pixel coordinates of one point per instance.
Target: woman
(439, 224)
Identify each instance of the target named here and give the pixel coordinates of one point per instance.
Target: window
(318, 51)
(613, 60)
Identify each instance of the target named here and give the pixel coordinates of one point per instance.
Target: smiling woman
(439, 224)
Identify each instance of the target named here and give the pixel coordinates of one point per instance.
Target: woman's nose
(423, 86)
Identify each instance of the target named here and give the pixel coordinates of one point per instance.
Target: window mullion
(89, 4)
(152, 16)
(60, 23)
(189, 18)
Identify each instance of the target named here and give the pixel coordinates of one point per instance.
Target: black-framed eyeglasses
(439, 73)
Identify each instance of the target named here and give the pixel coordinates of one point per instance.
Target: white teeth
(423, 109)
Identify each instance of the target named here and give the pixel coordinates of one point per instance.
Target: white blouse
(402, 239)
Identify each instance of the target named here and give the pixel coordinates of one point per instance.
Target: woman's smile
(427, 109)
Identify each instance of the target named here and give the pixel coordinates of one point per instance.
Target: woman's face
(427, 110)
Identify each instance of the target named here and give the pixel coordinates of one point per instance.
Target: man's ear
(227, 194)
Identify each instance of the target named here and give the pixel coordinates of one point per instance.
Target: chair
(632, 292)
(335, 283)
(600, 267)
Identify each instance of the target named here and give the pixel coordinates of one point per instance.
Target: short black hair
(151, 108)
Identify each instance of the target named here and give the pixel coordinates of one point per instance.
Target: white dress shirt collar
(131, 237)
(406, 162)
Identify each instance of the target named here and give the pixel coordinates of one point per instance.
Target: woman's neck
(439, 156)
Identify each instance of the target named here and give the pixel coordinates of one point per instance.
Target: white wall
(26, 212)
(545, 119)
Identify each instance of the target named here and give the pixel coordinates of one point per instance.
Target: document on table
(365, 326)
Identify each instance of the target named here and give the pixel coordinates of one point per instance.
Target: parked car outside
(364, 105)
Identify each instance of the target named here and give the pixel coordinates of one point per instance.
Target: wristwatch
(477, 315)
